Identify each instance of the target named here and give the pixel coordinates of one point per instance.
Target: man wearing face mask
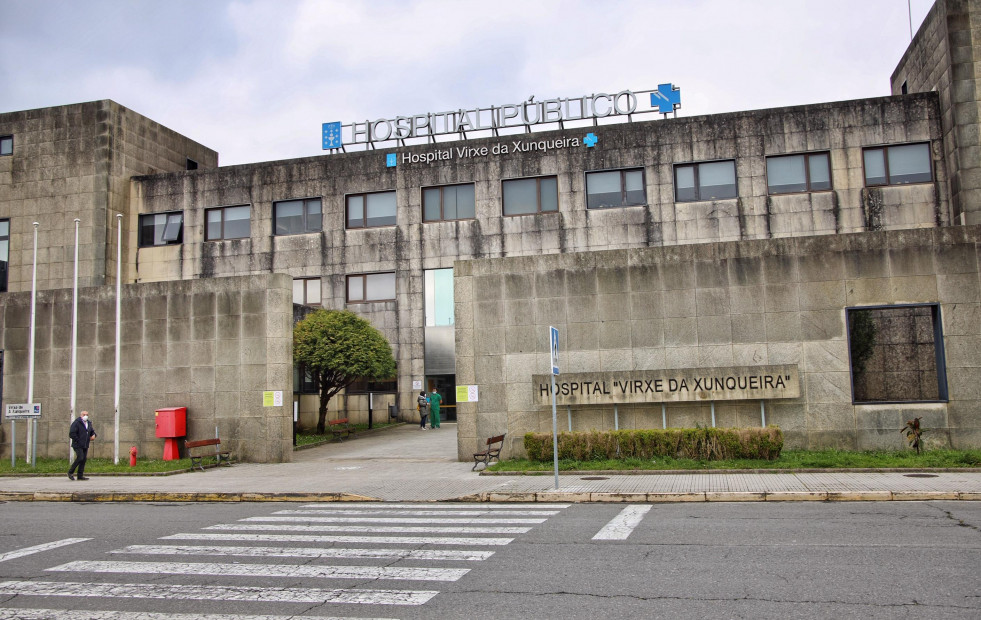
(81, 433)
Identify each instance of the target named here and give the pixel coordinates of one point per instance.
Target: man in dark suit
(81, 433)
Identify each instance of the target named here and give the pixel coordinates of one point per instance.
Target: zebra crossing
(371, 542)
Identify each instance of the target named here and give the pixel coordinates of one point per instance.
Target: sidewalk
(406, 464)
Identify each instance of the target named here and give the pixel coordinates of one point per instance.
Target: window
(304, 380)
(787, 174)
(4, 253)
(6, 145)
(523, 196)
(898, 165)
(363, 386)
(896, 354)
(438, 287)
(191, 164)
(306, 291)
(714, 180)
(368, 287)
(161, 229)
(615, 188)
(294, 217)
(227, 223)
(449, 202)
(371, 210)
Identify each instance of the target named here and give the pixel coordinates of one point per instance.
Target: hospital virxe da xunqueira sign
(675, 385)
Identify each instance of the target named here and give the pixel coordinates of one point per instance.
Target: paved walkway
(406, 464)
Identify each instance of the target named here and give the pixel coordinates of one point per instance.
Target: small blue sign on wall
(391, 160)
(332, 136)
(667, 98)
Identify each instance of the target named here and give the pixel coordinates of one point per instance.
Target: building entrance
(446, 386)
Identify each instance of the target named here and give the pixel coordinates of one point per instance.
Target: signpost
(553, 349)
(21, 411)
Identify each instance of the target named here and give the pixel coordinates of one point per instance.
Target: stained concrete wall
(945, 56)
(211, 345)
(412, 246)
(749, 303)
(72, 162)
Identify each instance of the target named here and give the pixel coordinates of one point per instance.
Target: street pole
(32, 448)
(71, 405)
(119, 272)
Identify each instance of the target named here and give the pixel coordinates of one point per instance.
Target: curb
(675, 472)
(499, 497)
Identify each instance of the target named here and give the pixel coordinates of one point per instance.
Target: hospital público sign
(665, 99)
(675, 385)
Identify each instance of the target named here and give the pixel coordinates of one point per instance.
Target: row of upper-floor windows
(699, 181)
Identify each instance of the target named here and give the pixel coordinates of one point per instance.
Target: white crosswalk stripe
(319, 519)
(381, 529)
(217, 593)
(264, 570)
(623, 524)
(348, 540)
(70, 614)
(19, 553)
(420, 513)
(442, 507)
(309, 552)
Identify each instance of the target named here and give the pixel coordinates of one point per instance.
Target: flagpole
(119, 271)
(32, 424)
(74, 335)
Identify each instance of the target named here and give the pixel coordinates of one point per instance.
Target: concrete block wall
(945, 56)
(72, 162)
(735, 303)
(211, 345)
(412, 246)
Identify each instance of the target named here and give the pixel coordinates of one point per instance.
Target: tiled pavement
(404, 464)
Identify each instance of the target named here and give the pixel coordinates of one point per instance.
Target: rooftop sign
(510, 116)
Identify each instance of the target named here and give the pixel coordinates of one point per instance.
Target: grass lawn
(789, 459)
(94, 466)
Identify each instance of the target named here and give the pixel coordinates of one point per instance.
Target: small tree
(340, 347)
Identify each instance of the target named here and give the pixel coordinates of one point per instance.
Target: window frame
(442, 189)
(364, 287)
(364, 218)
(180, 235)
(304, 215)
(943, 391)
(300, 383)
(695, 165)
(222, 236)
(9, 139)
(807, 173)
(884, 148)
(538, 195)
(623, 187)
(306, 292)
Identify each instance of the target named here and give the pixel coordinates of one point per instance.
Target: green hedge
(703, 444)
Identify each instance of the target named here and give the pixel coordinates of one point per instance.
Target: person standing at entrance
(423, 410)
(434, 400)
(81, 433)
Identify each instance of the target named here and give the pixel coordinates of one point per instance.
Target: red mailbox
(171, 424)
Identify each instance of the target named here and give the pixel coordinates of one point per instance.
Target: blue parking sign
(554, 349)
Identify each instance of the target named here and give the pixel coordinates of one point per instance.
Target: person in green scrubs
(434, 400)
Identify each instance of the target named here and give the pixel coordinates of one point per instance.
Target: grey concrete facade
(751, 303)
(97, 161)
(945, 57)
(213, 345)
(75, 161)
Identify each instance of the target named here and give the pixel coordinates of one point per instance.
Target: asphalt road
(439, 560)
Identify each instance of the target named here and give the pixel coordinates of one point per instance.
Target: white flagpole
(74, 335)
(32, 424)
(119, 271)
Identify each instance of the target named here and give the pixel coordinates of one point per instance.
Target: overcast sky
(254, 79)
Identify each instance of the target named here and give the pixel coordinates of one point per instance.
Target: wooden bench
(197, 455)
(493, 452)
(340, 428)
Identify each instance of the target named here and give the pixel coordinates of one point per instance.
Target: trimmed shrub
(700, 444)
